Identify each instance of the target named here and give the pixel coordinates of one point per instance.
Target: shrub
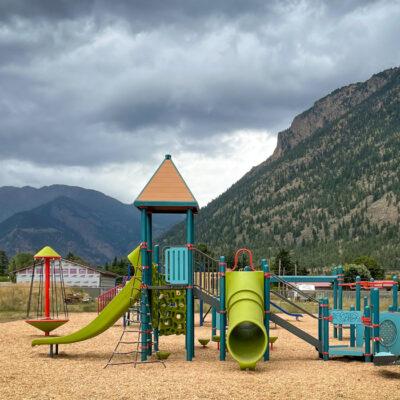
(351, 271)
(377, 272)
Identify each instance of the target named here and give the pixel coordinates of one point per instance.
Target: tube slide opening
(247, 341)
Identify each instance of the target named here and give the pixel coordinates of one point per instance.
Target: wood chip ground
(294, 372)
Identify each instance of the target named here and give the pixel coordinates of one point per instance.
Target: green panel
(169, 309)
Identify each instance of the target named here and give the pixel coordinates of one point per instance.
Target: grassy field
(14, 300)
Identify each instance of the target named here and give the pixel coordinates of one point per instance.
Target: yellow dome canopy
(47, 252)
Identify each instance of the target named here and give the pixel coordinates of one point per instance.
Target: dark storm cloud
(96, 82)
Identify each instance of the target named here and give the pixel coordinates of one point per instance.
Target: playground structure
(47, 301)
(164, 287)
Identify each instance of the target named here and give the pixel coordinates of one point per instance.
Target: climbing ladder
(132, 336)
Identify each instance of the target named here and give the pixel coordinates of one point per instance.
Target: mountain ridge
(331, 194)
(53, 215)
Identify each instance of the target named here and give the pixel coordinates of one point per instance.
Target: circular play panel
(388, 333)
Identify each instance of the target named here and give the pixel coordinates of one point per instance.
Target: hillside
(330, 191)
(85, 222)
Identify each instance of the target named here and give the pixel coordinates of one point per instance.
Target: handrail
(295, 288)
(296, 315)
(282, 297)
(195, 249)
(238, 253)
(107, 296)
(206, 270)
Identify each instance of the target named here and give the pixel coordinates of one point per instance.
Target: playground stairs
(206, 282)
(129, 348)
(301, 334)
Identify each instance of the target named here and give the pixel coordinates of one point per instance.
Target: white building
(75, 275)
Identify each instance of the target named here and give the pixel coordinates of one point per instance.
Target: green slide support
(247, 338)
(107, 318)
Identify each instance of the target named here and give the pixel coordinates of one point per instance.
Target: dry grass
(294, 372)
(14, 300)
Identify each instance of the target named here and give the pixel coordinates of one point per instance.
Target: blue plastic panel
(346, 351)
(342, 317)
(389, 332)
(360, 335)
(177, 265)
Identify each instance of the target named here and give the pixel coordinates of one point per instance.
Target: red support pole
(47, 288)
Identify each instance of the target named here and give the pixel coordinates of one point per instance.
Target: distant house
(310, 287)
(75, 275)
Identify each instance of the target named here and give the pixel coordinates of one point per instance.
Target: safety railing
(294, 288)
(206, 272)
(107, 296)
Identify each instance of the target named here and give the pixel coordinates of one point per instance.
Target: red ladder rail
(106, 297)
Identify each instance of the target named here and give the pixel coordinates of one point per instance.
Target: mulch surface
(294, 372)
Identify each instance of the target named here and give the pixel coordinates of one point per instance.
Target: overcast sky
(94, 93)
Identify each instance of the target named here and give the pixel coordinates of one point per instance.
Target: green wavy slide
(107, 318)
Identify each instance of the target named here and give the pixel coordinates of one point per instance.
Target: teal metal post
(149, 240)
(320, 326)
(189, 290)
(395, 294)
(365, 301)
(222, 309)
(267, 302)
(367, 335)
(213, 322)
(144, 295)
(325, 330)
(201, 312)
(156, 254)
(335, 300)
(375, 318)
(352, 331)
(358, 293)
(340, 298)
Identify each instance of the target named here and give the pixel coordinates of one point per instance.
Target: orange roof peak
(167, 190)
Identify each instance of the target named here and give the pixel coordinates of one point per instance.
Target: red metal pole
(47, 288)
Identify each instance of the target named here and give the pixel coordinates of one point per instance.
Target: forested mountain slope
(331, 190)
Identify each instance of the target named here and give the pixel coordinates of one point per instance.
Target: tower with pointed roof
(166, 192)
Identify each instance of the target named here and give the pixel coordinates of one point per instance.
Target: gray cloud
(89, 83)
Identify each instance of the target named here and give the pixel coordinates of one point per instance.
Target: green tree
(118, 266)
(351, 271)
(20, 260)
(286, 263)
(3, 262)
(204, 248)
(73, 257)
(377, 272)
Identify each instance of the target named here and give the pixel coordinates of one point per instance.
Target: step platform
(386, 358)
(343, 350)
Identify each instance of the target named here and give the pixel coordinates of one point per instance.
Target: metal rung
(126, 352)
(133, 342)
(138, 362)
